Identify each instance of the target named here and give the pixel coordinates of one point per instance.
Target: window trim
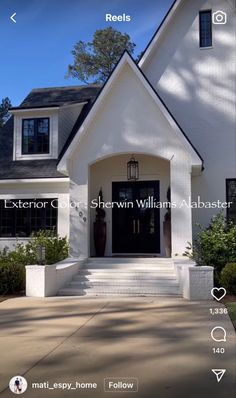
(35, 132)
(30, 216)
(200, 44)
(227, 195)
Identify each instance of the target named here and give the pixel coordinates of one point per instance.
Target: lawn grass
(231, 306)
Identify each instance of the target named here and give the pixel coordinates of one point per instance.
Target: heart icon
(218, 293)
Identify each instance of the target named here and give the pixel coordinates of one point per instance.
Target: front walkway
(164, 342)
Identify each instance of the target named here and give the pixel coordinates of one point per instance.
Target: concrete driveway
(161, 344)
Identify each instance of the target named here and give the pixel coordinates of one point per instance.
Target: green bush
(12, 264)
(12, 278)
(56, 247)
(215, 245)
(17, 256)
(12, 270)
(228, 278)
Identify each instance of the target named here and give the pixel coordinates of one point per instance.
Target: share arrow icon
(219, 373)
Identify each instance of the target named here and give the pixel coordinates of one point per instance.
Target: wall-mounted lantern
(132, 169)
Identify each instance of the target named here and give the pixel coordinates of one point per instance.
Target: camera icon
(219, 18)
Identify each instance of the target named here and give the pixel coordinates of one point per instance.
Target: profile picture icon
(18, 384)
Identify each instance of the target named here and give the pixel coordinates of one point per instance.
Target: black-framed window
(35, 136)
(19, 218)
(231, 197)
(205, 28)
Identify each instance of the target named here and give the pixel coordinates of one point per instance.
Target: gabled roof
(59, 96)
(41, 98)
(84, 112)
(84, 122)
(162, 27)
(91, 95)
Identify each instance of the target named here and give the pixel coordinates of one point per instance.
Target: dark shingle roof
(29, 169)
(44, 97)
(85, 111)
(58, 96)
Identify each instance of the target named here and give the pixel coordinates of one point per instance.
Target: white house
(174, 113)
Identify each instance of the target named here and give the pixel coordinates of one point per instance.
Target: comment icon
(218, 334)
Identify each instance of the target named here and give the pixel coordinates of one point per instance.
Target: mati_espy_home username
(148, 203)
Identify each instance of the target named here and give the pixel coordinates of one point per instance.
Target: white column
(63, 215)
(181, 215)
(79, 230)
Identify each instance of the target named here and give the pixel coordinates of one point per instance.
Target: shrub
(228, 278)
(215, 245)
(12, 264)
(12, 270)
(56, 247)
(12, 278)
(17, 256)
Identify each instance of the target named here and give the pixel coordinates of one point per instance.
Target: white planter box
(195, 282)
(46, 280)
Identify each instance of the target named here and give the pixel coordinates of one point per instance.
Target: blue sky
(37, 49)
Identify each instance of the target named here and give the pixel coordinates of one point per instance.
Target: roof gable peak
(126, 59)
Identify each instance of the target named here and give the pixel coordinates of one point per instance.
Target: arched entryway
(134, 217)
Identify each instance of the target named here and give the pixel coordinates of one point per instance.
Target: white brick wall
(46, 280)
(200, 283)
(195, 282)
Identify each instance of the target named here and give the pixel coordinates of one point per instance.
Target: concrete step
(128, 292)
(125, 276)
(116, 295)
(130, 259)
(125, 271)
(124, 283)
(128, 267)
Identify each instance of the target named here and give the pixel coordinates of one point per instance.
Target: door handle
(134, 227)
(138, 227)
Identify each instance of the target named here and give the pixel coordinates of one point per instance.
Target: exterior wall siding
(198, 86)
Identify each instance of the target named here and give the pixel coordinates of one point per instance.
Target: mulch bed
(10, 296)
(228, 299)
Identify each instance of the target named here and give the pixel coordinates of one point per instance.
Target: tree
(4, 110)
(94, 61)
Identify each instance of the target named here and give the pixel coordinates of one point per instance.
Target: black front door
(135, 219)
